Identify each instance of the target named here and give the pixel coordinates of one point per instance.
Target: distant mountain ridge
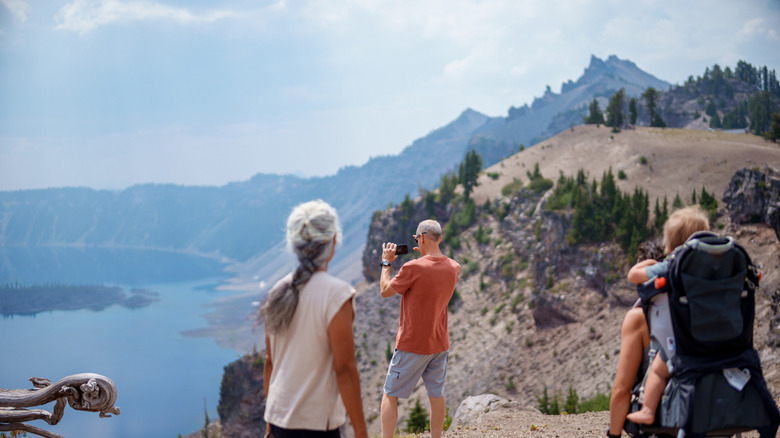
(238, 220)
(552, 113)
(244, 220)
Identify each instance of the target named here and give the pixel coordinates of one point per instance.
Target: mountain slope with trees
(747, 99)
(554, 112)
(542, 291)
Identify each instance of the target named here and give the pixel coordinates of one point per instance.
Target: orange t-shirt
(426, 286)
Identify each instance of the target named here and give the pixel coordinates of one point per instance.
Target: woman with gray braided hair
(311, 379)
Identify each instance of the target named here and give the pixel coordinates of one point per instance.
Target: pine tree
(447, 187)
(469, 172)
(633, 246)
(658, 221)
(651, 96)
(715, 122)
(666, 209)
(708, 203)
(555, 407)
(632, 111)
(543, 402)
(677, 203)
(418, 418)
(570, 406)
(760, 109)
(774, 131)
(615, 109)
(595, 116)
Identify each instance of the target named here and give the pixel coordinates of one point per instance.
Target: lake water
(162, 377)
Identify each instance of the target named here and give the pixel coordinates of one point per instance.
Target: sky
(111, 93)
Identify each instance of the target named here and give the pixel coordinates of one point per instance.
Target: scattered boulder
(753, 196)
(475, 407)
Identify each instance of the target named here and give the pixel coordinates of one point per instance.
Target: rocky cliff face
(242, 398)
(753, 196)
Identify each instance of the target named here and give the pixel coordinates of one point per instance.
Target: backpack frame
(711, 283)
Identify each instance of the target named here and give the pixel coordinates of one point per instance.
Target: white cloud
(18, 8)
(84, 16)
(458, 67)
(757, 28)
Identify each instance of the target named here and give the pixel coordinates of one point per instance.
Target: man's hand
(388, 251)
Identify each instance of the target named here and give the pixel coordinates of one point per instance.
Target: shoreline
(31, 300)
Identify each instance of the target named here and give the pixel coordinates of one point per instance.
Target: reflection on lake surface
(162, 377)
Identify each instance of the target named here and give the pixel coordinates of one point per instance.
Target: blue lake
(162, 377)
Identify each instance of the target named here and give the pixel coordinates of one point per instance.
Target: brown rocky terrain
(534, 312)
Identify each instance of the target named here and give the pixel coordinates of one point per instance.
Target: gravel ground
(534, 424)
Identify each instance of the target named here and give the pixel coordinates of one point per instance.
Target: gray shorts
(406, 369)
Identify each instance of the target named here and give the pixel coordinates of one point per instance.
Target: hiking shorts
(406, 369)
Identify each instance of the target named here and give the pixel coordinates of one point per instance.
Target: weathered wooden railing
(83, 392)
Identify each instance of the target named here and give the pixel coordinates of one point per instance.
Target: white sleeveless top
(303, 393)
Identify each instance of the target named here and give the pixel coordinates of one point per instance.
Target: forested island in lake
(18, 299)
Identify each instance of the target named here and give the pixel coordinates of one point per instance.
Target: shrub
(510, 384)
(482, 235)
(540, 185)
(596, 404)
(447, 420)
(453, 300)
(512, 188)
(469, 268)
(515, 301)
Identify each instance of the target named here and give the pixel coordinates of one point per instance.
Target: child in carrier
(680, 225)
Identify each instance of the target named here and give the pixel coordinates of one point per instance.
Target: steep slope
(534, 311)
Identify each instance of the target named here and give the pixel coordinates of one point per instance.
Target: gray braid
(311, 228)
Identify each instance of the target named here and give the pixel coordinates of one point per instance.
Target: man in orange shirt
(422, 345)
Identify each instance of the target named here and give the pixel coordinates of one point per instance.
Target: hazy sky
(110, 93)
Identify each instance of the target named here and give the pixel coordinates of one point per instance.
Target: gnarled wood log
(83, 392)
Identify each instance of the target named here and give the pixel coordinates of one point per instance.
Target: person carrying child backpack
(700, 308)
(677, 229)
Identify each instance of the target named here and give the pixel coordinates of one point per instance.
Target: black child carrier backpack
(716, 386)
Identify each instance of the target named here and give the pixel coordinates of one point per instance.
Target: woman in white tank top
(311, 379)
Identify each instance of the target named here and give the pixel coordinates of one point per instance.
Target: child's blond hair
(681, 224)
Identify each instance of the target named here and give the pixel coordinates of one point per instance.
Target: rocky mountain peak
(618, 69)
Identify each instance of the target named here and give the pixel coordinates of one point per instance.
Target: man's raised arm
(388, 255)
